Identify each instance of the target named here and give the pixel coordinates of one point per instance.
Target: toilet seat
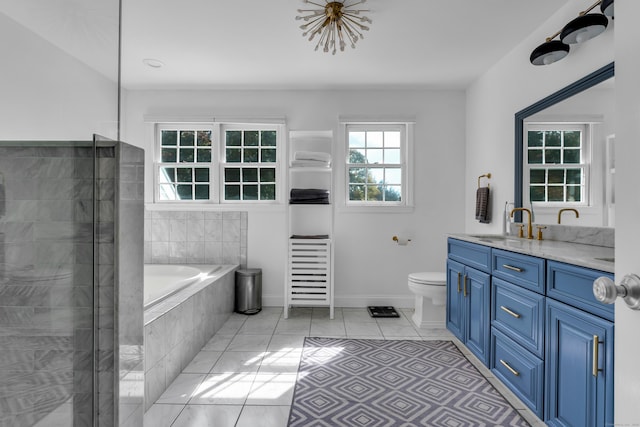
(428, 278)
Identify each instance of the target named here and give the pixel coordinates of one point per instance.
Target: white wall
(49, 95)
(369, 267)
(627, 345)
(508, 87)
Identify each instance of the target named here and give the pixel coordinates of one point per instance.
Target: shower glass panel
(47, 331)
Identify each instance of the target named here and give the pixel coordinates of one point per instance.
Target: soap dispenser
(507, 218)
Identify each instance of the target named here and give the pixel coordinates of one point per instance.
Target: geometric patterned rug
(378, 383)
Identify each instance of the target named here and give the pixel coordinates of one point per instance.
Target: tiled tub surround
(177, 328)
(195, 237)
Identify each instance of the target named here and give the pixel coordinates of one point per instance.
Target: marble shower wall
(46, 284)
(130, 258)
(69, 302)
(119, 269)
(195, 237)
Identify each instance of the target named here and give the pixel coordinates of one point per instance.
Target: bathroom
(454, 125)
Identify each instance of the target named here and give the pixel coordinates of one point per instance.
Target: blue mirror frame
(584, 83)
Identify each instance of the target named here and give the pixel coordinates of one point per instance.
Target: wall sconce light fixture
(585, 27)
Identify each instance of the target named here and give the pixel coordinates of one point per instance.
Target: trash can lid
(249, 271)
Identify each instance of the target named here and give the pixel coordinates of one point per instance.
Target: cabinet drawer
(574, 285)
(519, 313)
(523, 270)
(471, 254)
(521, 371)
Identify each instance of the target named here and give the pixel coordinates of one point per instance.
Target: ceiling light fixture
(585, 27)
(336, 23)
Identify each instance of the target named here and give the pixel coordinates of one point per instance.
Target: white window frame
(218, 161)
(158, 164)
(584, 165)
(280, 131)
(406, 155)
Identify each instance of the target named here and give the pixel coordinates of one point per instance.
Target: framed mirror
(564, 153)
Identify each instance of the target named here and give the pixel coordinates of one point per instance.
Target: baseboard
(356, 301)
(431, 324)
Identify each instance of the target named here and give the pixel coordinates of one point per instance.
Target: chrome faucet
(529, 228)
(567, 209)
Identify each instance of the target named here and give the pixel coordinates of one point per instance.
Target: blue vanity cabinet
(468, 296)
(579, 350)
(517, 325)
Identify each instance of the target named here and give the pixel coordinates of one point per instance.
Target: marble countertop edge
(590, 256)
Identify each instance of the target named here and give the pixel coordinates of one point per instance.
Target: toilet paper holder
(399, 241)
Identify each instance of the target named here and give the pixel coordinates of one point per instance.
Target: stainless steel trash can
(249, 290)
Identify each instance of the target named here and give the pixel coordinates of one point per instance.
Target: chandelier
(336, 23)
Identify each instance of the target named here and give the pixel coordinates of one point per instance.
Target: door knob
(606, 291)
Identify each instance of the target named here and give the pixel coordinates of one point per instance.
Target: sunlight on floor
(246, 374)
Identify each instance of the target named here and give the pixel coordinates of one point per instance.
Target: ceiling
(256, 44)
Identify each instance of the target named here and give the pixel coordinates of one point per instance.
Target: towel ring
(487, 175)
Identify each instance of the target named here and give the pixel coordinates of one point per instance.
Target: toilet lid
(430, 277)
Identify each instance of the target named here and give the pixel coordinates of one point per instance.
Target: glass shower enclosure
(64, 358)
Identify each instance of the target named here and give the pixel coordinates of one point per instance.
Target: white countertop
(596, 257)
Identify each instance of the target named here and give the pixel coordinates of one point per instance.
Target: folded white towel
(310, 163)
(312, 155)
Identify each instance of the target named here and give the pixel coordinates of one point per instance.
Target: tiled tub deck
(177, 328)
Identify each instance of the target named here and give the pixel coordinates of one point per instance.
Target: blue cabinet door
(579, 368)
(477, 291)
(468, 307)
(455, 299)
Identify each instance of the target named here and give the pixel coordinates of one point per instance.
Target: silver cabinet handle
(506, 365)
(510, 267)
(514, 314)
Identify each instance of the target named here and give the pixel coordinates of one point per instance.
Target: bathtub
(184, 306)
(164, 280)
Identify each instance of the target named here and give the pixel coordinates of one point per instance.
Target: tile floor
(245, 375)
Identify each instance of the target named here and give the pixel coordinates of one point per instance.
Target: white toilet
(430, 290)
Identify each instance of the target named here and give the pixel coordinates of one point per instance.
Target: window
(376, 172)
(250, 167)
(218, 163)
(557, 163)
(185, 164)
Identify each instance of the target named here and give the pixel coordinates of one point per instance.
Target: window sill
(374, 209)
(196, 206)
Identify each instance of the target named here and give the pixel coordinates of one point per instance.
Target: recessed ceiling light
(153, 63)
